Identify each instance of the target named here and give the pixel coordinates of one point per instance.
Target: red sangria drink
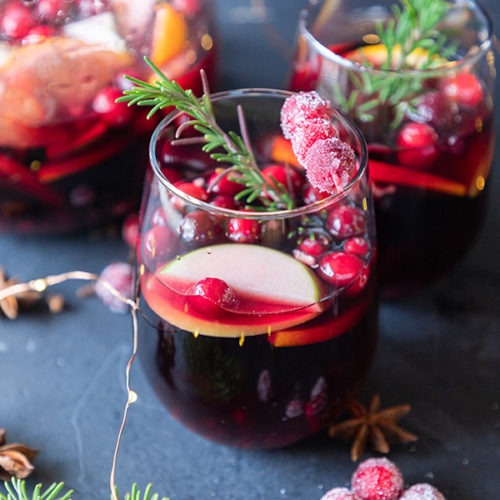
(417, 79)
(256, 274)
(70, 156)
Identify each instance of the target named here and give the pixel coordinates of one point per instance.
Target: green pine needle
(237, 152)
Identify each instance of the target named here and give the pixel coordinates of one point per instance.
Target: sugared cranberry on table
(338, 494)
(377, 479)
(422, 491)
(115, 277)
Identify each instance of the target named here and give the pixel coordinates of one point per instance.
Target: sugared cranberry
(114, 285)
(222, 184)
(338, 494)
(341, 268)
(330, 164)
(113, 113)
(159, 243)
(244, 230)
(346, 221)
(305, 137)
(464, 88)
(422, 491)
(377, 479)
(417, 143)
(300, 108)
(279, 176)
(211, 296)
(199, 228)
(357, 245)
(17, 20)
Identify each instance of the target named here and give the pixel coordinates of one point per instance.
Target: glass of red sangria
(256, 275)
(70, 156)
(417, 78)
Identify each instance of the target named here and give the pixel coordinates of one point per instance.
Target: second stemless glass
(241, 337)
(429, 131)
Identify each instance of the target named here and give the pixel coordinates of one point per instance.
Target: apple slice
(274, 290)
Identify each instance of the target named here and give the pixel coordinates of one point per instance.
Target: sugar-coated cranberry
(422, 491)
(113, 113)
(417, 143)
(330, 164)
(357, 245)
(288, 177)
(17, 20)
(464, 88)
(244, 230)
(377, 479)
(159, 243)
(222, 184)
(346, 221)
(199, 228)
(300, 108)
(211, 296)
(115, 284)
(340, 268)
(339, 493)
(305, 137)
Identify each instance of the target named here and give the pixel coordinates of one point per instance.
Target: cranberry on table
(118, 276)
(244, 230)
(377, 479)
(346, 221)
(210, 296)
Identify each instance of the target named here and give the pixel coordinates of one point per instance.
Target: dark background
(62, 384)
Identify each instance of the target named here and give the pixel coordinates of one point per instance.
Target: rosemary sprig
(225, 147)
(412, 41)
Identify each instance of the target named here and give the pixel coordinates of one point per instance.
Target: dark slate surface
(62, 377)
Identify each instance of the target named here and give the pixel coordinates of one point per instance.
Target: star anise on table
(372, 425)
(15, 459)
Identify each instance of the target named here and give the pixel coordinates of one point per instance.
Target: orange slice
(282, 152)
(169, 34)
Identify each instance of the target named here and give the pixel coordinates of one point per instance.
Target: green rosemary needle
(225, 147)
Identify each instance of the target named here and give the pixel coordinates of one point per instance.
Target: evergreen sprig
(412, 41)
(225, 147)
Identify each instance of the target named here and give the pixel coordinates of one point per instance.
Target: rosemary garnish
(229, 147)
(412, 41)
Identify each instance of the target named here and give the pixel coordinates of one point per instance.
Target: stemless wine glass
(257, 327)
(71, 157)
(427, 118)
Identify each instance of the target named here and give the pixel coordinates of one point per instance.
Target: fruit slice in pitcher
(270, 290)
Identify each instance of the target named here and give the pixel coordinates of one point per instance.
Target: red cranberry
(118, 276)
(346, 221)
(224, 201)
(436, 109)
(191, 189)
(113, 113)
(313, 246)
(417, 145)
(358, 246)
(288, 177)
(211, 296)
(38, 34)
(340, 268)
(338, 494)
(17, 20)
(187, 7)
(244, 230)
(377, 479)
(130, 230)
(159, 243)
(158, 217)
(52, 11)
(199, 228)
(312, 194)
(464, 88)
(222, 184)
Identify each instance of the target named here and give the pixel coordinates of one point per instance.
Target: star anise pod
(15, 459)
(372, 425)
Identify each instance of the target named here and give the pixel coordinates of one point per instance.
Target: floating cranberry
(280, 175)
(17, 20)
(199, 228)
(377, 479)
(435, 109)
(340, 268)
(211, 296)
(191, 189)
(113, 113)
(464, 88)
(38, 34)
(52, 11)
(159, 243)
(222, 184)
(244, 230)
(224, 201)
(305, 137)
(338, 494)
(417, 143)
(346, 221)
(158, 217)
(358, 246)
(115, 285)
(312, 194)
(313, 246)
(300, 108)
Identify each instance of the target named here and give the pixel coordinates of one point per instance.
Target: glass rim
(255, 214)
(483, 48)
